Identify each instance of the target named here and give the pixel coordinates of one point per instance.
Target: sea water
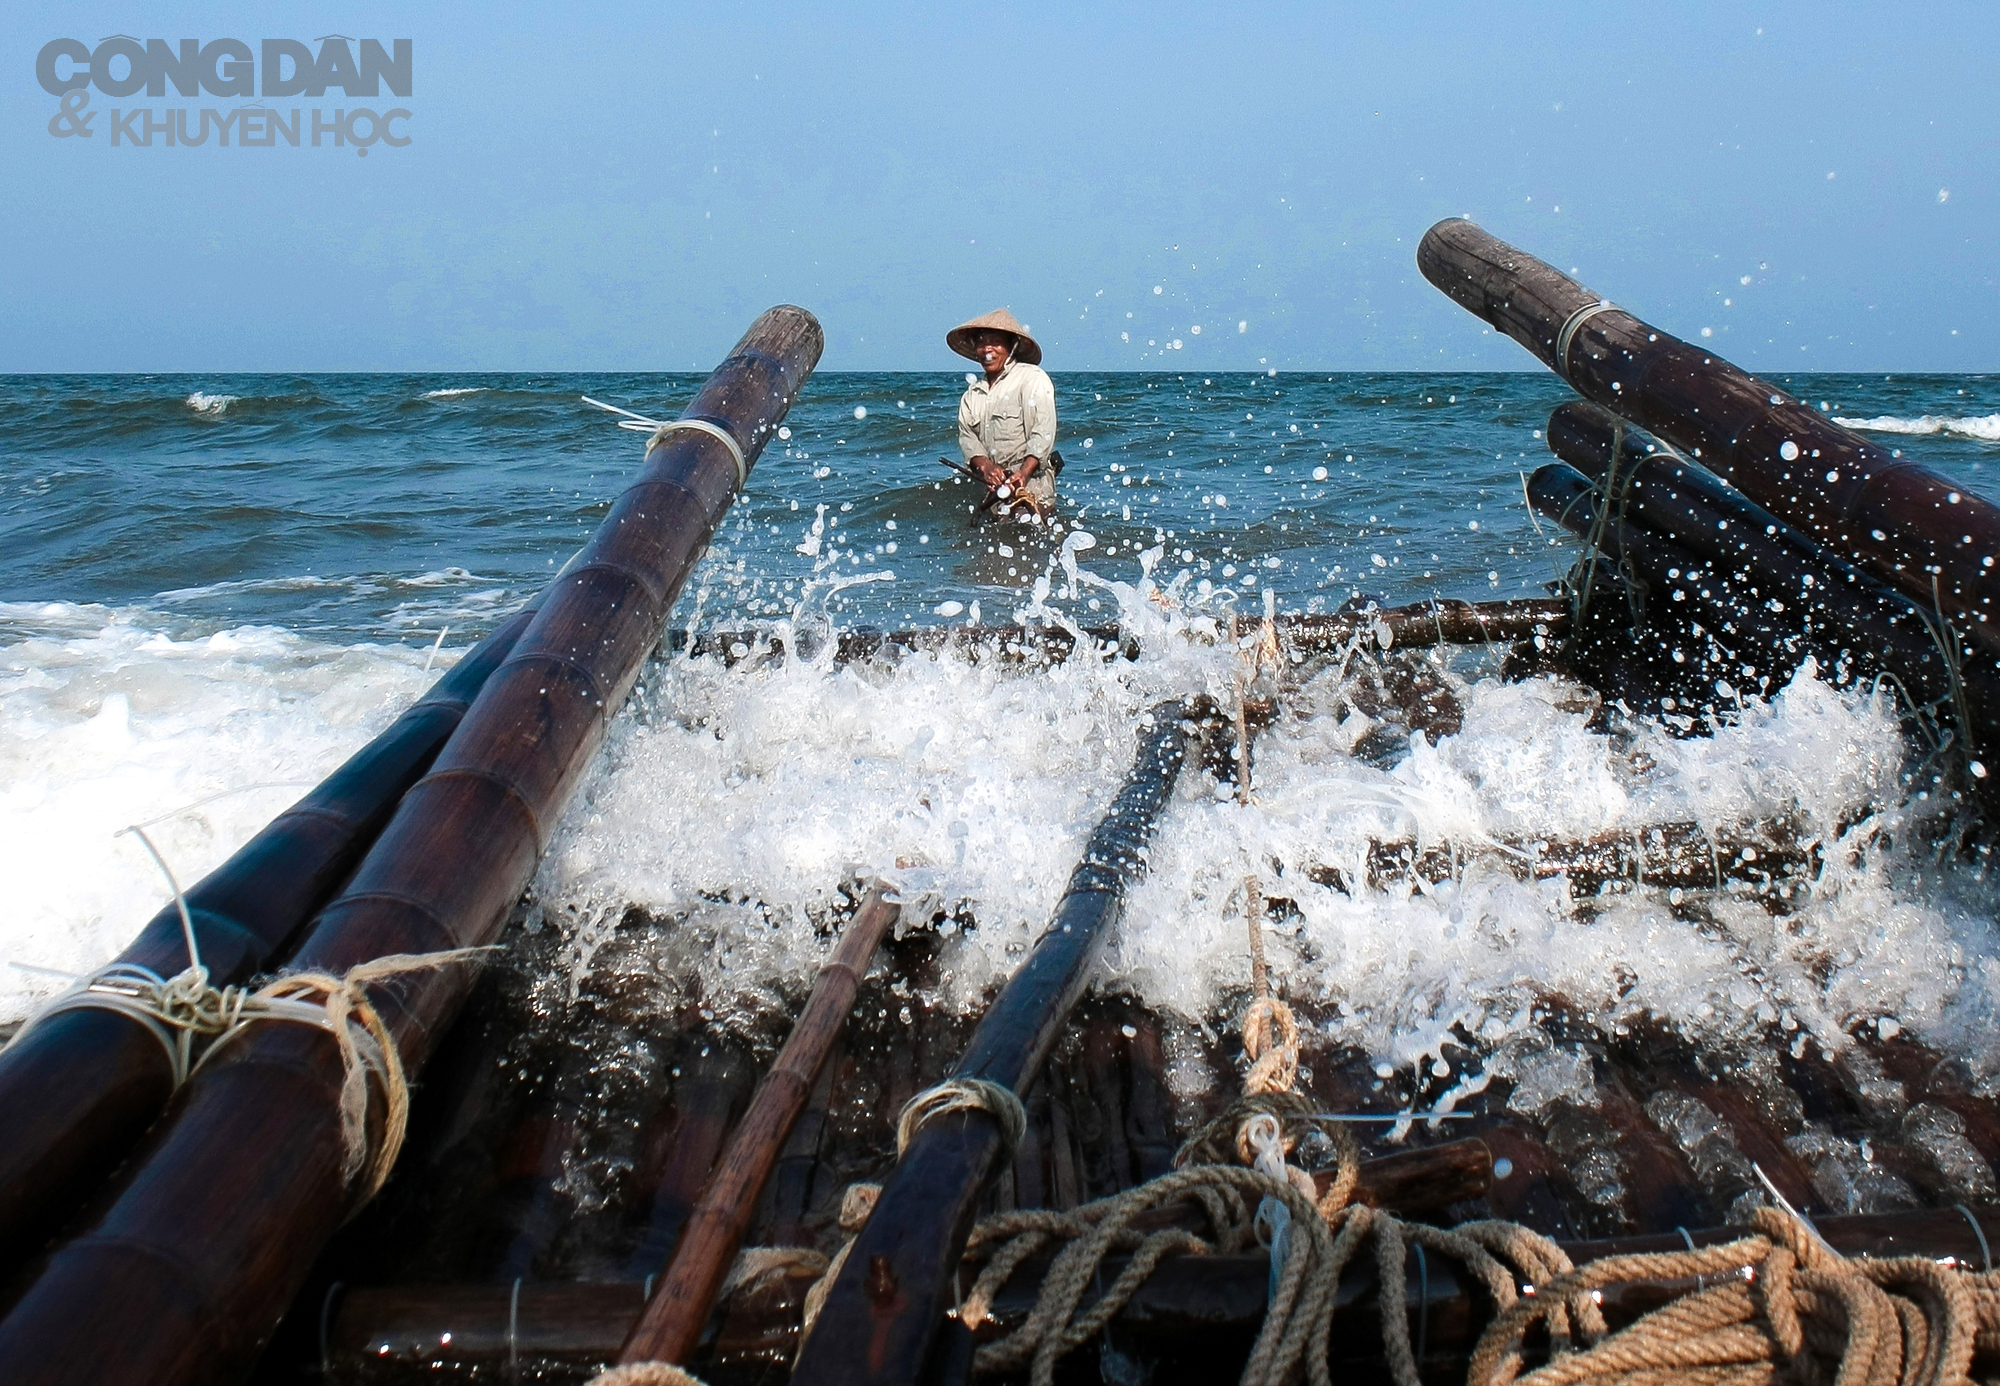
(214, 588)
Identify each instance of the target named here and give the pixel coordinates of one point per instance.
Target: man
(1007, 419)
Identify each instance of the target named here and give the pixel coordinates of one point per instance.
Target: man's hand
(1027, 469)
(989, 472)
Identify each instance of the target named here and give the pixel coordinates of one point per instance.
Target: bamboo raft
(453, 1165)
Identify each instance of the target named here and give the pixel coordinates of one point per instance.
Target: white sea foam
(448, 596)
(1984, 427)
(213, 405)
(974, 785)
(305, 582)
(105, 721)
(457, 392)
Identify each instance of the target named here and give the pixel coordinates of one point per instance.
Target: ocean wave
(400, 605)
(361, 583)
(111, 716)
(967, 823)
(1984, 427)
(212, 405)
(444, 577)
(456, 392)
(181, 595)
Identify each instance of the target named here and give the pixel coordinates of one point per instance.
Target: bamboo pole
(184, 1272)
(1682, 500)
(395, 1333)
(1837, 611)
(80, 1087)
(1736, 607)
(1683, 854)
(1420, 625)
(671, 1324)
(884, 1311)
(1904, 520)
(791, 1180)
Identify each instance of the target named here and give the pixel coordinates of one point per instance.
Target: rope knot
(857, 1205)
(178, 1011)
(964, 1095)
(340, 1006)
(1271, 1044)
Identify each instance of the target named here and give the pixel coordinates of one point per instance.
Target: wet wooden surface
(1902, 520)
(1659, 1139)
(185, 1268)
(79, 1091)
(1658, 1135)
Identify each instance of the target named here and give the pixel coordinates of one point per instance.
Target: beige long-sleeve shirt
(1012, 418)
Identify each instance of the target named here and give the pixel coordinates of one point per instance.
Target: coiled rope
(1776, 1305)
(858, 1202)
(1779, 1304)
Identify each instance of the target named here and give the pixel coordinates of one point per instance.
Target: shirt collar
(980, 381)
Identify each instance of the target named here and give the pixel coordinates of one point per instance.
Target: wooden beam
(78, 1089)
(675, 1315)
(185, 1270)
(884, 1311)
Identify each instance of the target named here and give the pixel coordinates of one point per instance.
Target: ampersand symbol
(68, 119)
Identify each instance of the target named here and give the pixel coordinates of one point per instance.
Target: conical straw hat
(959, 339)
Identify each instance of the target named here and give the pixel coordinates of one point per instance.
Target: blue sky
(624, 187)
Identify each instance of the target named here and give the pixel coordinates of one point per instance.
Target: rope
(184, 1009)
(1271, 1044)
(1270, 1031)
(1567, 336)
(1777, 1304)
(365, 1045)
(704, 426)
(964, 1095)
(645, 1374)
(754, 1263)
(1225, 1196)
(856, 1206)
(176, 1010)
(1326, 1239)
(1614, 495)
(659, 429)
(1785, 1305)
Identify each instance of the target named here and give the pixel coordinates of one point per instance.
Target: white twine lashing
(660, 428)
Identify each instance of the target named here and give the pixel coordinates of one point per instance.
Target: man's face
(991, 348)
